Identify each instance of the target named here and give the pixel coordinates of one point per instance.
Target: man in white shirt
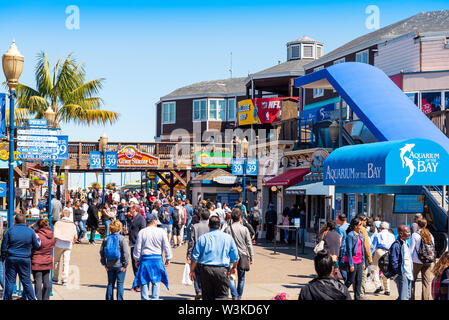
(115, 197)
(150, 244)
(69, 207)
(66, 235)
(381, 244)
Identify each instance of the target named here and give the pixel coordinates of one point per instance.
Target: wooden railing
(171, 154)
(441, 120)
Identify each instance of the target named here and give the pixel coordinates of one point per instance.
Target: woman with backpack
(114, 253)
(422, 248)
(254, 219)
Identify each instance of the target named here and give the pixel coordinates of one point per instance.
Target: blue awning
(381, 105)
(405, 162)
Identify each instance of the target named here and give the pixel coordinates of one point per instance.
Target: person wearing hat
(151, 244)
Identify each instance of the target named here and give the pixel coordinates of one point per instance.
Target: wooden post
(80, 153)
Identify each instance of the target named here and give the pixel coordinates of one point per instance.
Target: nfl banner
(2, 115)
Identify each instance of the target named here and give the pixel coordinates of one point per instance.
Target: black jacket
(271, 217)
(77, 214)
(324, 289)
(92, 219)
(138, 223)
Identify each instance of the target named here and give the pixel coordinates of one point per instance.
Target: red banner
(268, 109)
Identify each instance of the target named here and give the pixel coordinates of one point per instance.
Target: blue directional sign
(37, 122)
(251, 167)
(110, 160)
(3, 189)
(57, 150)
(237, 166)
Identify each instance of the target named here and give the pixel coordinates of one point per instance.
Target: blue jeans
(237, 291)
(115, 275)
(404, 287)
(2, 276)
(81, 229)
(106, 226)
(189, 222)
(155, 289)
(22, 267)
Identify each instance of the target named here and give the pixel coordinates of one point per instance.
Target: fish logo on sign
(421, 162)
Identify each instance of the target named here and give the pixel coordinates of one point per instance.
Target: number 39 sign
(110, 160)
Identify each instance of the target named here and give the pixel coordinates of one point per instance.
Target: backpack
(177, 215)
(165, 216)
(112, 248)
(255, 215)
(426, 252)
(384, 265)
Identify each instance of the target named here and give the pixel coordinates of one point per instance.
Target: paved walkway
(270, 274)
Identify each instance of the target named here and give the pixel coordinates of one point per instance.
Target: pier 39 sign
(404, 162)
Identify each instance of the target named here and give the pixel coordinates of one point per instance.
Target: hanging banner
(130, 156)
(2, 115)
(260, 110)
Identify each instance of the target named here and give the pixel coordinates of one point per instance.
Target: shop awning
(289, 178)
(411, 162)
(309, 188)
(382, 106)
(218, 175)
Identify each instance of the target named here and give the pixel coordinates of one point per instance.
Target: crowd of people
(347, 254)
(143, 229)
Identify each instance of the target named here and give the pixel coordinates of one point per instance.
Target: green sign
(213, 159)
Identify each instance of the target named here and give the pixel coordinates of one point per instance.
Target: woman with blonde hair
(114, 253)
(440, 266)
(422, 239)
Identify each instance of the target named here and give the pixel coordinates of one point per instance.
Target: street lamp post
(12, 62)
(103, 143)
(50, 116)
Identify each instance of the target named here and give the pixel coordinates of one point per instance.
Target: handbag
(320, 245)
(243, 263)
(186, 275)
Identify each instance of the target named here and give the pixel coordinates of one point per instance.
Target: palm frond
(84, 116)
(87, 89)
(20, 116)
(43, 75)
(24, 93)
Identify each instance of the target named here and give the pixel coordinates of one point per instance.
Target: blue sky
(146, 49)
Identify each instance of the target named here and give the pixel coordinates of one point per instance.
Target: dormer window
(319, 51)
(304, 48)
(295, 52)
(307, 51)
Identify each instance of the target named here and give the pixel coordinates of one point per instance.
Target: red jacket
(42, 259)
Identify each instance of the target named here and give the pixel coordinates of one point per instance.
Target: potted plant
(96, 186)
(38, 181)
(110, 186)
(60, 179)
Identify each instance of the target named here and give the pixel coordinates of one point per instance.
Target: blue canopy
(377, 101)
(405, 162)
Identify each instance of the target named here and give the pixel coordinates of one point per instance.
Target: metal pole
(11, 160)
(340, 140)
(104, 176)
(296, 244)
(49, 191)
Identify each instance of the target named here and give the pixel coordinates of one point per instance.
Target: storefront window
(413, 96)
(430, 102)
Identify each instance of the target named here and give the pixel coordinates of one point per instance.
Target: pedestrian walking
(93, 220)
(382, 242)
(178, 223)
(114, 256)
(17, 245)
(42, 260)
(78, 216)
(197, 230)
(166, 217)
(355, 257)
(286, 224)
(324, 286)
(422, 248)
(341, 230)
(84, 217)
(242, 239)
(70, 208)
(151, 244)
(366, 249)
(189, 210)
(441, 265)
(414, 227)
(254, 218)
(401, 263)
(65, 235)
(332, 240)
(137, 223)
(56, 209)
(271, 220)
(214, 253)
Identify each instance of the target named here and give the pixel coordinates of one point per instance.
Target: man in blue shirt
(213, 254)
(189, 210)
(16, 253)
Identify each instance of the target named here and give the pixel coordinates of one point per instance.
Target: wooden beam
(162, 178)
(179, 178)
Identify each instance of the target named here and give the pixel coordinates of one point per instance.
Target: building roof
(288, 68)
(303, 39)
(432, 21)
(216, 88)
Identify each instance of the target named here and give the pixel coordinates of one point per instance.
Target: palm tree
(66, 92)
